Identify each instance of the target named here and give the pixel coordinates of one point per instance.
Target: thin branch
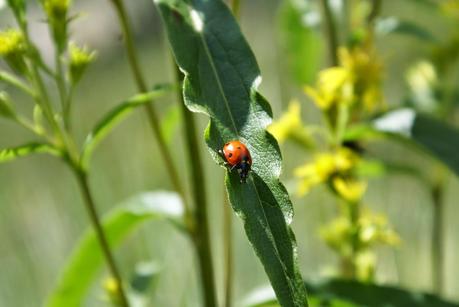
(332, 36)
(200, 229)
(103, 242)
(153, 118)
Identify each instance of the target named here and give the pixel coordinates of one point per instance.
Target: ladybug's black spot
(230, 155)
(239, 147)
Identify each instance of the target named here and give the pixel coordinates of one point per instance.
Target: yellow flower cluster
(11, 43)
(357, 80)
(371, 229)
(334, 168)
(290, 126)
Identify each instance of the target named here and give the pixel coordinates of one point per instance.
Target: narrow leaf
(221, 80)
(436, 137)
(10, 154)
(87, 259)
(113, 117)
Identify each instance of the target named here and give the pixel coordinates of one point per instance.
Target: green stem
(332, 35)
(141, 85)
(375, 10)
(348, 268)
(61, 86)
(228, 246)
(438, 193)
(100, 234)
(200, 231)
(13, 81)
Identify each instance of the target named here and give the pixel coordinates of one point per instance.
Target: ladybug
(237, 156)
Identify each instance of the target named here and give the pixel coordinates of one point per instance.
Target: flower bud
(57, 10)
(13, 49)
(80, 58)
(6, 108)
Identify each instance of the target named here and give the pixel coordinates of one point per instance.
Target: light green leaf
(10, 154)
(392, 25)
(436, 137)
(303, 45)
(221, 80)
(347, 293)
(86, 259)
(113, 117)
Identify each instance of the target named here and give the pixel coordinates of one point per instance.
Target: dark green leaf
(393, 25)
(113, 117)
(86, 259)
(303, 45)
(221, 80)
(9, 154)
(436, 137)
(346, 293)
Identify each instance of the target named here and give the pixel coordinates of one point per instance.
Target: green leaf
(87, 259)
(393, 25)
(302, 44)
(10, 154)
(347, 293)
(436, 137)
(221, 80)
(113, 117)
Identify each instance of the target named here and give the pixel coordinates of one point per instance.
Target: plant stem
(331, 32)
(103, 242)
(438, 193)
(375, 10)
(61, 87)
(200, 231)
(142, 87)
(228, 253)
(12, 80)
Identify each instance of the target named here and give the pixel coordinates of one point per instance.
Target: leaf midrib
(225, 99)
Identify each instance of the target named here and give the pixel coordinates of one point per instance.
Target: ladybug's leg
(221, 154)
(233, 167)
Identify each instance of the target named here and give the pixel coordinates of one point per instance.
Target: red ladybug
(237, 156)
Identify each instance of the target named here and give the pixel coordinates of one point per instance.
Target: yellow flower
(13, 49)
(11, 43)
(112, 290)
(350, 189)
(333, 86)
(365, 70)
(323, 167)
(80, 58)
(375, 228)
(291, 126)
(337, 234)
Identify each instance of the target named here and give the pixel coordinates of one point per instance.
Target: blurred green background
(41, 214)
